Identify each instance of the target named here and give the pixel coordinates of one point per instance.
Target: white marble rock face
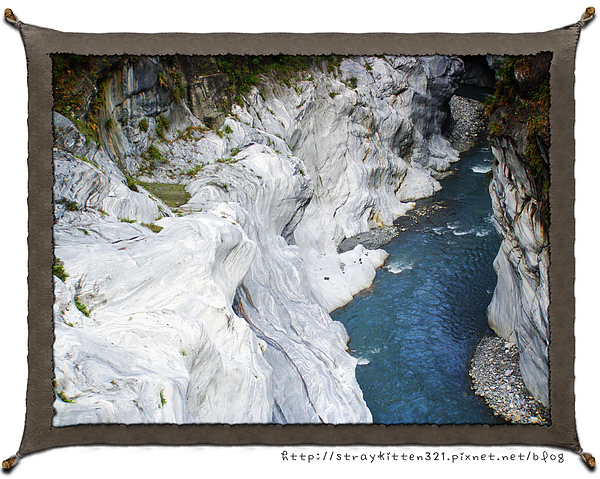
(519, 308)
(223, 315)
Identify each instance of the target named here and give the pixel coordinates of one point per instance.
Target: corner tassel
(11, 18)
(586, 17)
(11, 462)
(589, 12)
(589, 459)
(8, 13)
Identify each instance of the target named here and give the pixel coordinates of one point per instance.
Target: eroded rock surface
(519, 190)
(212, 305)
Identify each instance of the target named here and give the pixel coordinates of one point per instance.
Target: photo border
(40, 43)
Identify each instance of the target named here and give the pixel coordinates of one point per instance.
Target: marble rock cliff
(197, 224)
(519, 135)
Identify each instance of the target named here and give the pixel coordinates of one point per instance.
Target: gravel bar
(496, 377)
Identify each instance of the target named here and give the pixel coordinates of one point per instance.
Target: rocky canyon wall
(199, 204)
(520, 138)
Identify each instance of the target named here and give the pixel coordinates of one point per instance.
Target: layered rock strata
(198, 236)
(519, 136)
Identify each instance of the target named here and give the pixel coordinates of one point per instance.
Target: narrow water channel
(415, 329)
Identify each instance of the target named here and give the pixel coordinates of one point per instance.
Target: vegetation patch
(519, 110)
(63, 398)
(72, 76)
(228, 161)
(351, 82)
(131, 183)
(143, 125)
(152, 227)
(81, 307)
(58, 269)
(162, 124)
(69, 204)
(172, 194)
(178, 93)
(152, 157)
(192, 172)
(507, 107)
(189, 134)
(246, 71)
(127, 220)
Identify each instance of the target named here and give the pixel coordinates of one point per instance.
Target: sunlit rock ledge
(216, 311)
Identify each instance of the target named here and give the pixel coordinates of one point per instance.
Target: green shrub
(81, 307)
(195, 170)
(127, 220)
(178, 93)
(189, 133)
(143, 125)
(163, 122)
(154, 153)
(58, 269)
(71, 205)
(108, 125)
(162, 80)
(131, 183)
(495, 128)
(152, 156)
(153, 227)
(351, 82)
(62, 397)
(333, 94)
(229, 161)
(162, 125)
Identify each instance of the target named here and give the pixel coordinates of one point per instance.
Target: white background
(274, 16)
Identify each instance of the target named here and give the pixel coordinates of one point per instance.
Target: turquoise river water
(415, 329)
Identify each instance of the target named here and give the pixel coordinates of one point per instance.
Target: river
(415, 329)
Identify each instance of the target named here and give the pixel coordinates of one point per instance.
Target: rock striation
(519, 136)
(198, 219)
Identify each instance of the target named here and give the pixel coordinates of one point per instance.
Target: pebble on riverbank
(496, 377)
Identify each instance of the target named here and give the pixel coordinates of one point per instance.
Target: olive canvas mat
(564, 432)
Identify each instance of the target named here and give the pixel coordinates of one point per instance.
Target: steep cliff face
(519, 135)
(198, 214)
